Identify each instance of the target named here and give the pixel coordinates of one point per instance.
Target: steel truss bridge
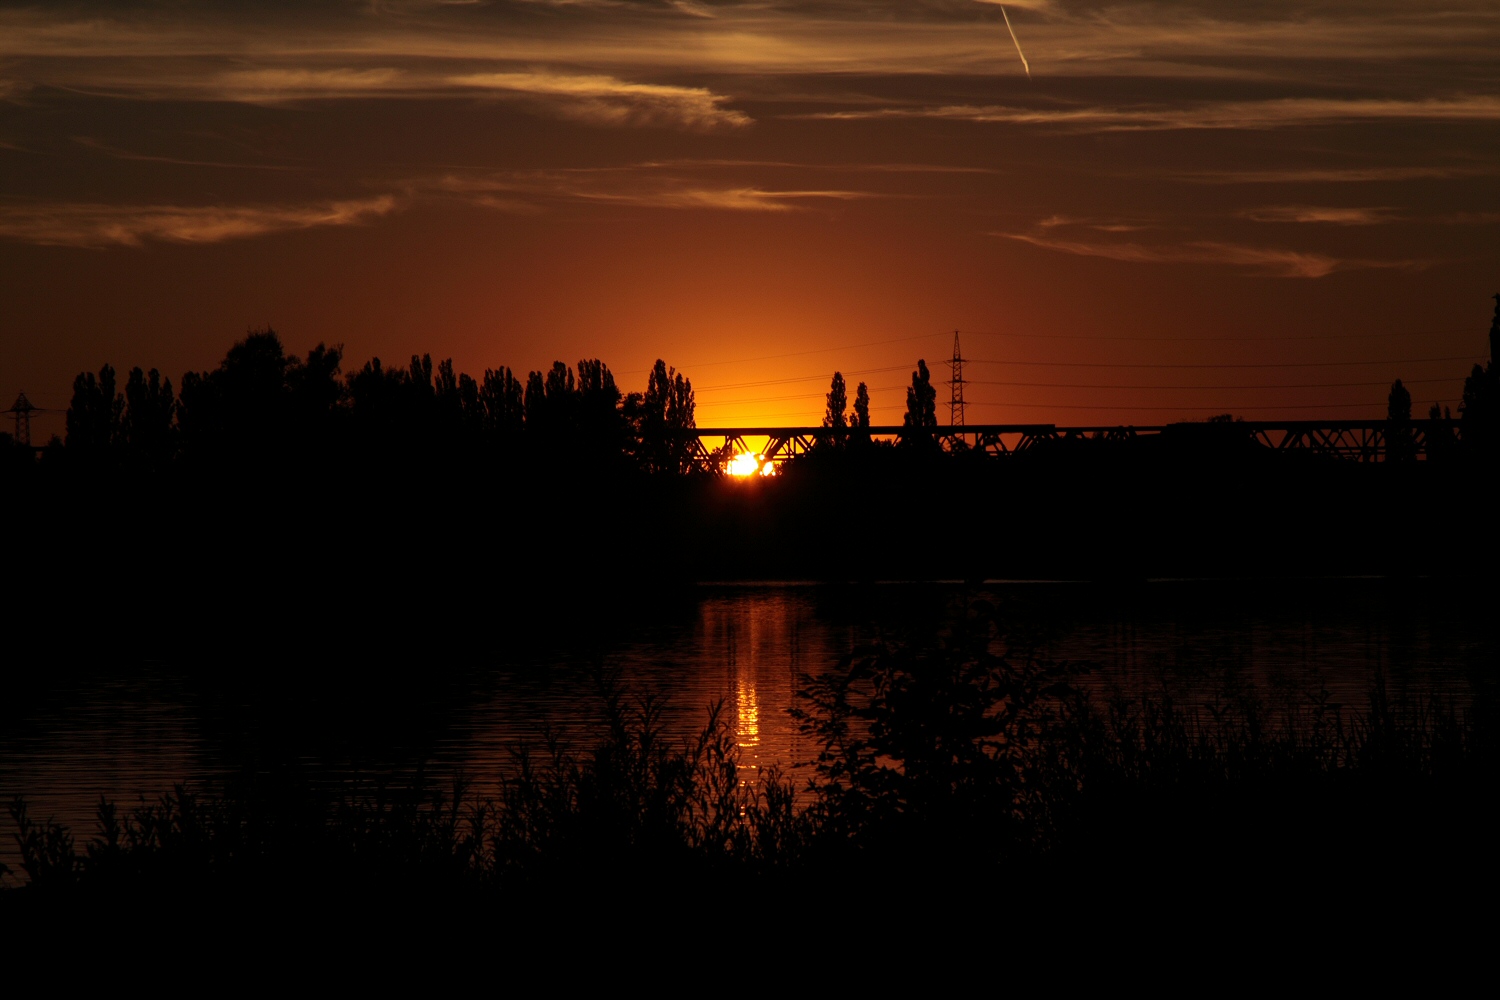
(712, 449)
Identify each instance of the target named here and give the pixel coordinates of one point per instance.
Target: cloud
(692, 9)
(1267, 261)
(874, 168)
(1472, 218)
(643, 187)
(1332, 175)
(122, 154)
(744, 199)
(273, 84)
(606, 100)
(93, 225)
(1159, 40)
(1313, 213)
(1249, 115)
(1099, 225)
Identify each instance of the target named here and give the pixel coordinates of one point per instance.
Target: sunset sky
(1185, 208)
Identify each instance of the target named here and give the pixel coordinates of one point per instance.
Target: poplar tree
(149, 407)
(95, 412)
(921, 408)
(838, 399)
(1398, 439)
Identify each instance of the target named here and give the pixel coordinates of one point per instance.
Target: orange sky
(764, 193)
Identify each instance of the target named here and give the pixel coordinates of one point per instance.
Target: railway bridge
(722, 450)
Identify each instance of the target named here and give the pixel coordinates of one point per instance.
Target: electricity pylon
(957, 382)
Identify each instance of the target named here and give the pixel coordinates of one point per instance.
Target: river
(133, 727)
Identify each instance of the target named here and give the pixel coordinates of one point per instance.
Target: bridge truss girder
(1357, 441)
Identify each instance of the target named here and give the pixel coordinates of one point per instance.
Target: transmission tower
(22, 412)
(956, 400)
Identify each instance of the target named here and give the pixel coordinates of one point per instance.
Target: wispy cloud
(643, 188)
(269, 85)
(1098, 225)
(787, 36)
(1324, 214)
(1265, 261)
(93, 225)
(1332, 175)
(1252, 115)
(742, 199)
(607, 100)
(596, 98)
(873, 168)
(123, 154)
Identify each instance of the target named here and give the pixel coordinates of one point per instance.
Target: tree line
(262, 404)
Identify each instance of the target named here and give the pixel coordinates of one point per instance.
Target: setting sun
(750, 464)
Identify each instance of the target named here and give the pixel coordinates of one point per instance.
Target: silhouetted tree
(149, 408)
(661, 415)
(861, 406)
(921, 408)
(468, 398)
(1480, 408)
(457, 395)
(835, 416)
(601, 425)
(420, 388)
(238, 407)
(560, 408)
(1495, 330)
(446, 386)
(373, 392)
(551, 406)
(838, 402)
(536, 402)
(315, 391)
(1398, 438)
(95, 413)
(501, 397)
(262, 402)
(1440, 439)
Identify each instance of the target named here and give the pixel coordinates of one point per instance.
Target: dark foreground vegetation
(966, 773)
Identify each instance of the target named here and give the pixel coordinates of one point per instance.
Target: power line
(1218, 340)
(1199, 409)
(1290, 385)
(803, 378)
(1101, 364)
(793, 354)
(1138, 409)
(1267, 364)
(1090, 385)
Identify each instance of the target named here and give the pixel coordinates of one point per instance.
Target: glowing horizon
(762, 196)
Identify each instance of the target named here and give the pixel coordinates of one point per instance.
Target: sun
(749, 464)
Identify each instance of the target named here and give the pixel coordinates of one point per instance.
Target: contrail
(1024, 64)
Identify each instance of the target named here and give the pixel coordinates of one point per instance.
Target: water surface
(133, 727)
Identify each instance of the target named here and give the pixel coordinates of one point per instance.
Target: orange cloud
(91, 225)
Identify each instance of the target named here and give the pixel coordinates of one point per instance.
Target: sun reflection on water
(747, 724)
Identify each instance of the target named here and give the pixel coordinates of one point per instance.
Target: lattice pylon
(22, 412)
(956, 383)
